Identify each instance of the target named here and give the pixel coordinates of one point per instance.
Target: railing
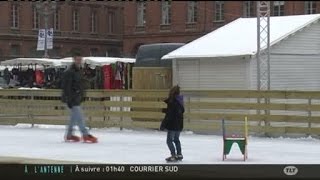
(289, 112)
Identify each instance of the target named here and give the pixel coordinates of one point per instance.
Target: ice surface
(149, 147)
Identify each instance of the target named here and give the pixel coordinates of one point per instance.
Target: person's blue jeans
(173, 139)
(76, 118)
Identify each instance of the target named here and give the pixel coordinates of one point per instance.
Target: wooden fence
(289, 112)
(151, 78)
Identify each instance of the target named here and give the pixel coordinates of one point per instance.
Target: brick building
(184, 21)
(94, 28)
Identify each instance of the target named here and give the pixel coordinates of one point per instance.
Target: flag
(50, 38)
(41, 40)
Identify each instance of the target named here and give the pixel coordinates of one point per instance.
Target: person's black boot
(179, 157)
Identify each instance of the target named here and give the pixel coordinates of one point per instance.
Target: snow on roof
(239, 37)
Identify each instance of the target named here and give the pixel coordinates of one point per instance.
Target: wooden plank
(197, 105)
(151, 78)
(253, 106)
(135, 104)
(100, 112)
(252, 94)
(163, 93)
(252, 117)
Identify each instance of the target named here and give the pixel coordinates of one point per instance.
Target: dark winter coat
(173, 119)
(72, 87)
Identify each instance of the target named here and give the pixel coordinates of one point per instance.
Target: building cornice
(62, 38)
(167, 34)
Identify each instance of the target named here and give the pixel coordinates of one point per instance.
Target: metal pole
(268, 50)
(258, 47)
(46, 9)
(263, 50)
(45, 34)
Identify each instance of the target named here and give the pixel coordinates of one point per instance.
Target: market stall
(108, 72)
(33, 72)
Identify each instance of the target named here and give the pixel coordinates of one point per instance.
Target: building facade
(94, 28)
(184, 21)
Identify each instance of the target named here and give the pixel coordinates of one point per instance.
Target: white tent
(33, 61)
(239, 38)
(225, 58)
(101, 61)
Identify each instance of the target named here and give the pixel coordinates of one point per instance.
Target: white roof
(38, 61)
(239, 37)
(101, 61)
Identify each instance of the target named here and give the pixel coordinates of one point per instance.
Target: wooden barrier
(204, 109)
(151, 77)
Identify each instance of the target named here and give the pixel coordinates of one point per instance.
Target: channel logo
(290, 170)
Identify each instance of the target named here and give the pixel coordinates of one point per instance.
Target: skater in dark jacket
(73, 95)
(173, 123)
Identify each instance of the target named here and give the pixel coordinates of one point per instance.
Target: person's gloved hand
(162, 128)
(69, 105)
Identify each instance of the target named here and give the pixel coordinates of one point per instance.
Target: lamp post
(46, 9)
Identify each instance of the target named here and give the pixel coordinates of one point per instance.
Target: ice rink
(149, 147)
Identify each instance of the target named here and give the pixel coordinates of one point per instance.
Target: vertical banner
(41, 40)
(50, 38)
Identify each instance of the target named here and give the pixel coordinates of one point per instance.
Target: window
(36, 54)
(93, 20)
(141, 13)
(111, 21)
(310, 7)
(219, 11)
(35, 19)
(56, 20)
(15, 50)
(278, 8)
(192, 12)
(94, 52)
(75, 20)
(15, 16)
(166, 12)
(248, 9)
(55, 52)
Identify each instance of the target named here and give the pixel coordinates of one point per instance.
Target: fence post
(189, 102)
(309, 116)
(267, 111)
(121, 111)
(30, 115)
(258, 110)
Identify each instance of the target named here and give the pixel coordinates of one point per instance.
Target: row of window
(56, 52)
(192, 10)
(56, 19)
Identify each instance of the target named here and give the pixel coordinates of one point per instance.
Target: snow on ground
(149, 147)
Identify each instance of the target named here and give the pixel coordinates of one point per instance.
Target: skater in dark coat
(173, 123)
(73, 95)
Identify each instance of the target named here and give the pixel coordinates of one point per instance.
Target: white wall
(294, 62)
(226, 73)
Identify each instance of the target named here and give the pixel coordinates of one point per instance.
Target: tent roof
(39, 61)
(100, 61)
(239, 38)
